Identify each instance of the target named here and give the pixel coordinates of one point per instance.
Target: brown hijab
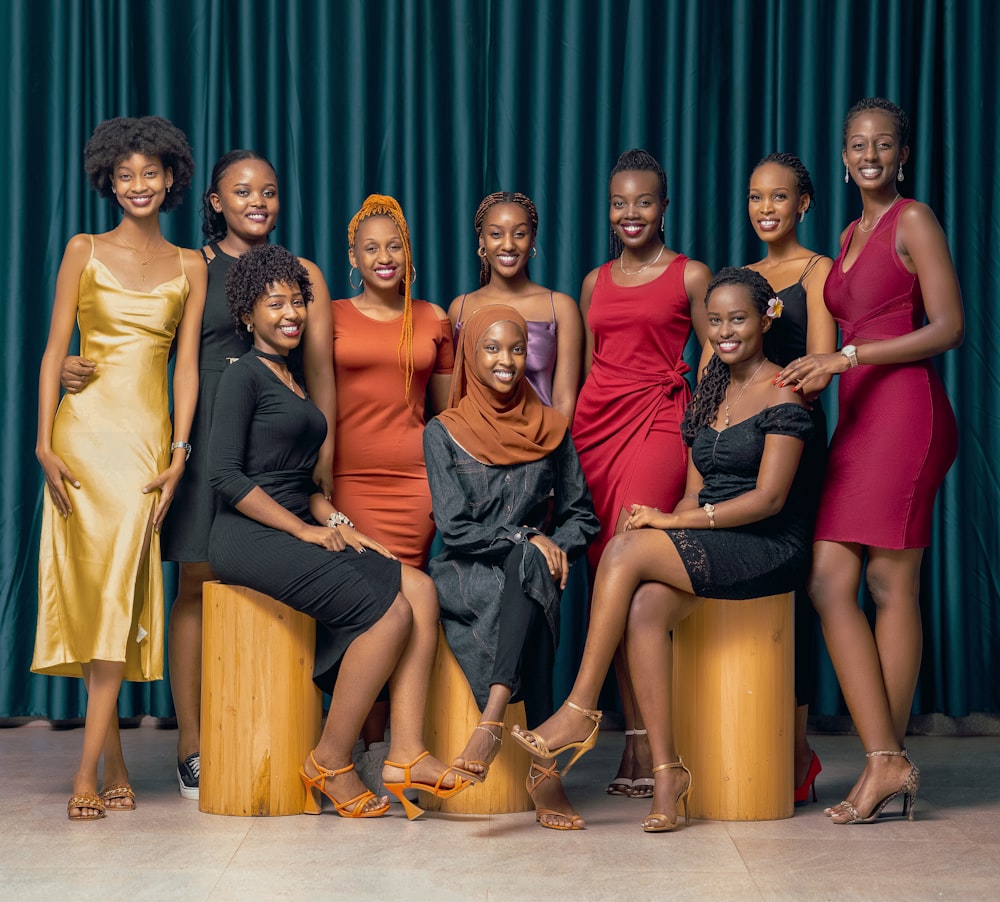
(494, 430)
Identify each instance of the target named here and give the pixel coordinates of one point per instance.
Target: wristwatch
(851, 353)
(185, 445)
(709, 509)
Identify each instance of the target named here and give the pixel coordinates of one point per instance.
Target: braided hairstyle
(803, 181)
(383, 205)
(899, 118)
(490, 201)
(213, 223)
(636, 160)
(254, 271)
(711, 390)
(115, 139)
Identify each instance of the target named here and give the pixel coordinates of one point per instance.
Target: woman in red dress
(894, 294)
(638, 310)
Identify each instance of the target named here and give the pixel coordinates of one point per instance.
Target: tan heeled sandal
(532, 783)
(494, 750)
(908, 790)
(660, 823)
(536, 745)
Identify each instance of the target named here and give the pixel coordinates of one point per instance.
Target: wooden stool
(452, 715)
(260, 712)
(734, 703)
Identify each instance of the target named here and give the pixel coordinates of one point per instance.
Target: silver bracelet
(338, 519)
(185, 445)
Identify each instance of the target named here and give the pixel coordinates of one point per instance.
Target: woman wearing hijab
(513, 510)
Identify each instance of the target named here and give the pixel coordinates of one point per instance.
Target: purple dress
(540, 366)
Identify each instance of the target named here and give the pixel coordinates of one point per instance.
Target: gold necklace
(877, 221)
(635, 272)
(739, 394)
(142, 263)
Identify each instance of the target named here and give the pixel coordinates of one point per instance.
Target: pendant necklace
(739, 394)
(877, 221)
(135, 254)
(635, 272)
(274, 361)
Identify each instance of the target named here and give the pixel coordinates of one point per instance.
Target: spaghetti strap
(93, 251)
(461, 307)
(810, 264)
(552, 304)
(180, 256)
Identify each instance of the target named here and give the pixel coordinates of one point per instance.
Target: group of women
(314, 472)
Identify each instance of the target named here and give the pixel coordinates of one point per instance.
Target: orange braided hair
(383, 205)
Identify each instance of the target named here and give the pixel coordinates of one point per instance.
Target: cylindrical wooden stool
(260, 712)
(452, 715)
(734, 704)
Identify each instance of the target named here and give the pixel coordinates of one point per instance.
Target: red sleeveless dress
(896, 434)
(627, 422)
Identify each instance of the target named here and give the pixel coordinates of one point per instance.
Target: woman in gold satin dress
(110, 458)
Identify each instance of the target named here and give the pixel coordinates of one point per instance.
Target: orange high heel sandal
(532, 783)
(535, 745)
(356, 807)
(908, 791)
(660, 823)
(413, 810)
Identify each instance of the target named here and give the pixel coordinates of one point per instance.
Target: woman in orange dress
(391, 353)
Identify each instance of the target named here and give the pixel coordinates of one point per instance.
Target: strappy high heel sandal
(397, 788)
(494, 750)
(908, 791)
(532, 783)
(660, 823)
(355, 807)
(535, 745)
(834, 810)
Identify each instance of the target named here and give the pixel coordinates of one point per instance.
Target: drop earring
(802, 216)
(847, 177)
(899, 174)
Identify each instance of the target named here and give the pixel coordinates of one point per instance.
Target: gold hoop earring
(250, 328)
(350, 278)
(899, 174)
(481, 252)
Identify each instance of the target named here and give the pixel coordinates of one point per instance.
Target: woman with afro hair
(239, 210)
(110, 457)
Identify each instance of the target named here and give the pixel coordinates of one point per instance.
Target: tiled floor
(166, 849)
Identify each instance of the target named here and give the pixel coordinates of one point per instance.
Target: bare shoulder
(439, 311)
(565, 305)
(787, 395)
(79, 248)
(918, 217)
(696, 278)
(193, 260)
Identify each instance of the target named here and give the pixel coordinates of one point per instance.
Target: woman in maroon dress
(638, 310)
(894, 294)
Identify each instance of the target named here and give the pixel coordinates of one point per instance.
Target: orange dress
(379, 477)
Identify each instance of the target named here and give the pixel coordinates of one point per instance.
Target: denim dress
(482, 512)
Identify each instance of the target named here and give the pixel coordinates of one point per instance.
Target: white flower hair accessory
(774, 307)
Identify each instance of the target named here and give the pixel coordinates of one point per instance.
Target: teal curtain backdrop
(441, 101)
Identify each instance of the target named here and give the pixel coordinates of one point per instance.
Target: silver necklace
(649, 263)
(739, 394)
(877, 221)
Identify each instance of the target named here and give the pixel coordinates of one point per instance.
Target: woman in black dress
(740, 531)
(276, 532)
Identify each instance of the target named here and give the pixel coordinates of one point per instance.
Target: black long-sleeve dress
(264, 435)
